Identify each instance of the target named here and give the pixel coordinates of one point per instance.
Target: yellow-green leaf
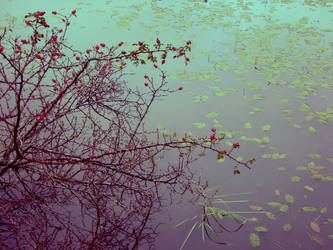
(287, 227)
(309, 188)
(289, 198)
(255, 240)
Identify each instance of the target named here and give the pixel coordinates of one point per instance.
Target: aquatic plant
(78, 168)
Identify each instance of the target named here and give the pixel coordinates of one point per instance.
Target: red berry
(73, 12)
(46, 25)
(146, 84)
(97, 47)
(174, 48)
(123, 52)
(184, 140)
(41, 117)
(188, 42)
(54, 12)
(163, 76)
(120, 44)
(140, 43)
(145, 77)
(212, 137)
(77, 58)
(133, 53)
(235, 145)
(60, 31)
(213, 130)
(181, 155)
(24, 41)
(28, 23)
(88, 51)
(1, 49)
(155, 66)
(54, 81)
(163, 61)
(102, 45)
(180, 88)
(158, 41)
(187, 59)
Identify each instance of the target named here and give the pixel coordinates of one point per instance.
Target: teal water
(290, 44)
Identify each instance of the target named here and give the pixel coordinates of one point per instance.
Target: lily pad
(255, 240)
(314, 156)
(295, 179)
(309, 188)
(312, 129)
(274, 204)
(199, 124)
(289, 198)
(261, 229)
(212, 115)
(266, 128)
(309, 209)
(270, 215)
(287, 227)
(284, 208)
(247, 125)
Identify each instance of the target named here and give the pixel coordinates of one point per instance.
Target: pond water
(266, 69)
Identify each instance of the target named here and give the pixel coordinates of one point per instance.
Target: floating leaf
(212, 115)
(284, 208)
(301, 168)
(261, 229)
(287, 227)
(266, 139)
(266, 156)
(330, 220)
(311, 164)
(295, 179)
(286, 111)
(257, 208)
(312, 129)
(297, 126)
(270, 215)
(266, 128)
(252, 219)
(199, 124)
(277, 192)
(247, 125)
(274, 204)
(323, 210)
(255, 240)
(314, 156)
(305, 107)
(289, 198)
(309, 209)
(314, 226)
(330, 236)
(309, 188)
(281, 168)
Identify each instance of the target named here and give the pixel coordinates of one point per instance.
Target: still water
(264, 69)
